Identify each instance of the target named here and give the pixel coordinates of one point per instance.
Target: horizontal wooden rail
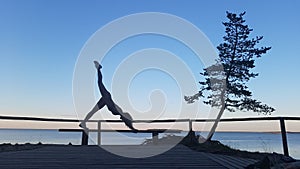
(37, 119)
(150, 121)
(85, 133)
(123, 131)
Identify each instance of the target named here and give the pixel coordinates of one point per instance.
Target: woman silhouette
(107, 100)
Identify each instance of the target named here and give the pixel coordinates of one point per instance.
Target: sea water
(262, 142)
(250, 141)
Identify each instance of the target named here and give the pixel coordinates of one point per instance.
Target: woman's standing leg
(100, 104)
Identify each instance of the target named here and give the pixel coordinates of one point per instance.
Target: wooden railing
(190, 122)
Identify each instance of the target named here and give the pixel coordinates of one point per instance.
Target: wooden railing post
(99, 133)
(284, 139)
(85, 137)
(190, 125)
(154, 137)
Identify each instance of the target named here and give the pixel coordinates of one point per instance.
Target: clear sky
(40, 42)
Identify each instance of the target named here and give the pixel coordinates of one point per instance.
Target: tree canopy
(225, 83)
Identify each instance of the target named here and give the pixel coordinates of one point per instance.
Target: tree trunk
(214, 127)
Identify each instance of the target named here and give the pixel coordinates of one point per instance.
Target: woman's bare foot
(97, 65)
(83, 125)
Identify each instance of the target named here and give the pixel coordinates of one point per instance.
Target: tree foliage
(225, 82)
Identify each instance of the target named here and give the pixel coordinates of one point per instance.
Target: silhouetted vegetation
(19, 147)
(225, 86)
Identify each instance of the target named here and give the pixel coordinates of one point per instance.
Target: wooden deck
(86, 157)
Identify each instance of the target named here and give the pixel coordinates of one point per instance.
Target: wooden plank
(230, 161)
(95, 157)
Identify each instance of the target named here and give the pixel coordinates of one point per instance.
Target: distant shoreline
(271, 132)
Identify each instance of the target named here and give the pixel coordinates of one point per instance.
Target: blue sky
(41, 40)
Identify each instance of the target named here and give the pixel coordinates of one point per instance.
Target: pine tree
(225, 82)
